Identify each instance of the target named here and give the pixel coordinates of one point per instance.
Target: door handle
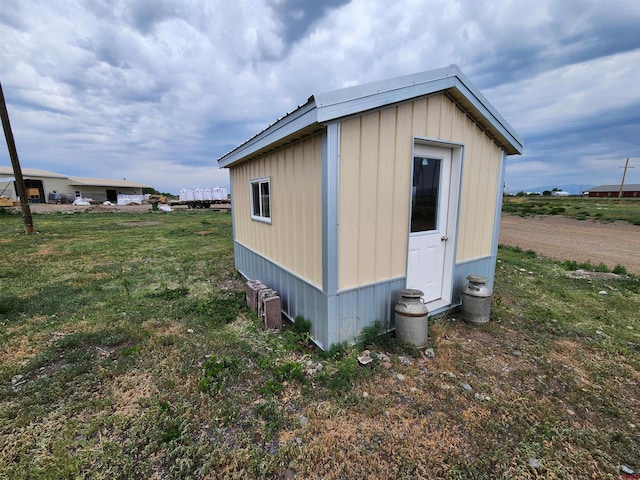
(444, 238)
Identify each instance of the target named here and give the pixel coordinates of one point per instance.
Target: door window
(425, 194)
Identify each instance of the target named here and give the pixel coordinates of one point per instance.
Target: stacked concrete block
(252, 288)
(269, 308)
(262, 294)
(265, 302)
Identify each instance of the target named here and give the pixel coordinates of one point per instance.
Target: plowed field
(562, 238)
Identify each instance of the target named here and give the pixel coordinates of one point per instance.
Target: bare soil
(44, 208)
(562, 238)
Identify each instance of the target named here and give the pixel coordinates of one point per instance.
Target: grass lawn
(126, 350)
(580, 208)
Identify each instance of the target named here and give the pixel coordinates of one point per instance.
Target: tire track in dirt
(562, 238)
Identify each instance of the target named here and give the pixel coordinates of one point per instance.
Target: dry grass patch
(131, 393)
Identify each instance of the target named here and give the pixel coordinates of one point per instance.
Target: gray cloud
(297, 17)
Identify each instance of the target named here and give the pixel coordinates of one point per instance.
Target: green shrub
(586, 266)
(570, 265)
(301, 326)
(342, 381)
(619, 269)
(216, 371)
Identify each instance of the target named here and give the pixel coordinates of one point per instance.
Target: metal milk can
(411, 318)
(476, 300)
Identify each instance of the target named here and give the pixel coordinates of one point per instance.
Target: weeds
(216, 373)
(601, 209)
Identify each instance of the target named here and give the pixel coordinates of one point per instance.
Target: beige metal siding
(293, 240)
(61, 185)
(480, 188)
(375, 171)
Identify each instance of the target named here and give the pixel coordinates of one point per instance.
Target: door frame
(452, 220)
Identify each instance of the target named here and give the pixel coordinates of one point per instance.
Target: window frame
(260, 216)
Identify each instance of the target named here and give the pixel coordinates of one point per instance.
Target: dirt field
(43, 208)
(562, 238)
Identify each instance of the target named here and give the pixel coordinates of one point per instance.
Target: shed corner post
(330, 213)
(330, 202)
(496, 220)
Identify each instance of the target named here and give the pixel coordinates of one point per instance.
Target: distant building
(560, 193)
(49, 187)
(629, 190)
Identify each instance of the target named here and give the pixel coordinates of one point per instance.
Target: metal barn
(367, 190)
(49, 187)
(631, 190)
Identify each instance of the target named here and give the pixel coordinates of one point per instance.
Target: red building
(629, 190)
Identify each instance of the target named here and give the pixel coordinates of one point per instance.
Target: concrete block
(262, 294)
(272, 307)
(252, 287)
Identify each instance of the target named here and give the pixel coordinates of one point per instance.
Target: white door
(428, 238)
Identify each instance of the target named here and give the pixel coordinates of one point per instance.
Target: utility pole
(624, 174)
(27, 220)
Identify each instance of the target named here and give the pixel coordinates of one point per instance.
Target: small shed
(367, 190)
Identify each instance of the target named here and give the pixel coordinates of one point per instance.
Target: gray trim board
(330, 202)
(351, 106)
(498, 214)
(303, 117)
(233, 211)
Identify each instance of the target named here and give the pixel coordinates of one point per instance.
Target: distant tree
(546, 193)
(556, 189)
(520, 194)
(153, 191)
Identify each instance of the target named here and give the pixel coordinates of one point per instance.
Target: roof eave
(104, 182)
(330, 106)
(354, 100)
(487, 110)
(303, 117)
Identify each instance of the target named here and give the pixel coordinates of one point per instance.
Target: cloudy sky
(156, 90)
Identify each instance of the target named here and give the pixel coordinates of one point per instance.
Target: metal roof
(31, 172)
(105, 182)
(630, 187)
(85, 181)
(325, 108)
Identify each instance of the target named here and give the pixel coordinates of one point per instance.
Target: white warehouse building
(48, 187)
